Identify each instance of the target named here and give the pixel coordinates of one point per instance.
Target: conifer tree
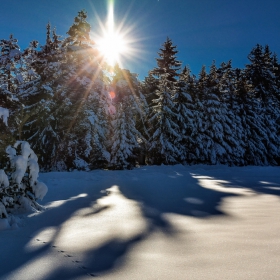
(198, 137)
(232, 124)
(79, 31)
(125, 138)
(165, 139)
(43, 131)
(184, 107)
(264, 86)
(128, 121)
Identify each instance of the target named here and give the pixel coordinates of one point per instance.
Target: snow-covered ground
(159, 222)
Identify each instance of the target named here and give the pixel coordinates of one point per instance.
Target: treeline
(75, 114)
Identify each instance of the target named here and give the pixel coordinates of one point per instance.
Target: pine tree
(167, 63)
(264, 88)
(184, 106)
(19, 183)
(199, 139)
(232, 124)
(9, 62)
(79, 31)
(149, 87)
(125, 137)
(18, 85)
(43, 130)
(165, 141)
(128, 121)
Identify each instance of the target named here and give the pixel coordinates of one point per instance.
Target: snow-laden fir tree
(18, 83)
(252, 122)
(42, 130)
(127, 140)
(199, 138)
(124, 138)
(19, 185)
(212, 120)
(71, 75)
(149, 87)
(165, 141)
(264, 91)
(87, 91)
(165, 136)
(80, 29)
(232, 124)
(10, 56)
(184, 107)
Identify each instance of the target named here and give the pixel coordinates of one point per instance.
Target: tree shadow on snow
(82, 196)
(251, 178)
(174, 192)
(156, 196)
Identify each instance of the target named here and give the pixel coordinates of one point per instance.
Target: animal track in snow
(66, 255)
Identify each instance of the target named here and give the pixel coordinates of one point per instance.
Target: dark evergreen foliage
(59, 98)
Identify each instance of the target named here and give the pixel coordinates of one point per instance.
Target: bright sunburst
(111, 44)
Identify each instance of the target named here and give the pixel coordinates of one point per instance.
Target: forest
(78, 113)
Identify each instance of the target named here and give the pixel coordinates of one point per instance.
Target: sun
(112, 44)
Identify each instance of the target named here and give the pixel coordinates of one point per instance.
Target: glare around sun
(111, 44)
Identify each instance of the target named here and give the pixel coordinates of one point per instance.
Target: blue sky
(202, 30)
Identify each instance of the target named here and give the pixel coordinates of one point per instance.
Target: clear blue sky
(202, 30)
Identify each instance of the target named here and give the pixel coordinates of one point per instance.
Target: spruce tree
(43, 130)
(184, 107)
(232, 124)
(165, 139)
(128, 141)
(79, 31)
(264, 87)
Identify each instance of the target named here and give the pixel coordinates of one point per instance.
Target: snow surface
(4, 113)
(159, 222)
(4, 181)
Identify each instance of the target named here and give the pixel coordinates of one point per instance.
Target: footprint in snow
(82, 267)
(68, 256)
(91, 274)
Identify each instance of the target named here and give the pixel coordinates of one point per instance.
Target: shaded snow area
(159, 222)
(4, 114)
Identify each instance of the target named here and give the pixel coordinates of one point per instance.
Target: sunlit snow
(153, 222)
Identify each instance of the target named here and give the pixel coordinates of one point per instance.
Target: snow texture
(4, 181)
(153, 222)
(4, 114)
(26, 162)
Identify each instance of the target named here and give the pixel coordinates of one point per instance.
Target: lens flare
(112, 94)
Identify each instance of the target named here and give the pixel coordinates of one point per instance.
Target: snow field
(158, 222)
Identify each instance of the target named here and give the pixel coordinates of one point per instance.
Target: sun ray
(112, 44)
(122, 39)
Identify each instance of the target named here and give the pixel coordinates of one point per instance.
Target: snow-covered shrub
(19, 185)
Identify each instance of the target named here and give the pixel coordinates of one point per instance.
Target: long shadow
(99, 260)
(49, 218)
(157, 195)
(174, 194)
(253, 179)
